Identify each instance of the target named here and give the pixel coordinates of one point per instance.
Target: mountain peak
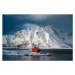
(43, 37)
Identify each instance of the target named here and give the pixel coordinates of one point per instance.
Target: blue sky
(13, 23)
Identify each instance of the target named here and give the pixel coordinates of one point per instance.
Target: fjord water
(58, 55)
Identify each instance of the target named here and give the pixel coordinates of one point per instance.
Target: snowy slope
(24, 52)
(43, 37)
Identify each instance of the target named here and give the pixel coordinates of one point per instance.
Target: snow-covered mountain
(43, 37)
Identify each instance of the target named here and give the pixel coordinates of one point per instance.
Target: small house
(35, 49)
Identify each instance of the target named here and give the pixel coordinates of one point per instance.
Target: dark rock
(31, 55)
(17, 53)
(4, 55)
(26, 55)
(38, 50)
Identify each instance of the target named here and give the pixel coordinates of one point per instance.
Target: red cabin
(35, 50)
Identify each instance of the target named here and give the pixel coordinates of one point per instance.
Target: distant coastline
(31, 48)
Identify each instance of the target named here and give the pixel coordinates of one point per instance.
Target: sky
(11, 23)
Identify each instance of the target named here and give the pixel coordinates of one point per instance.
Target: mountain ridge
(42, 37)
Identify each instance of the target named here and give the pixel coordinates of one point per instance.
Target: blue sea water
(58, 55)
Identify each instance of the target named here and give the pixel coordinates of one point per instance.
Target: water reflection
(57, 55)
(34, 57)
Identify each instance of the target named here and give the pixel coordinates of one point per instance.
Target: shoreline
(31, 48)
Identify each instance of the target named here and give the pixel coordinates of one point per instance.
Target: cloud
(28, 25)
(37, 17)
(32, 17)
